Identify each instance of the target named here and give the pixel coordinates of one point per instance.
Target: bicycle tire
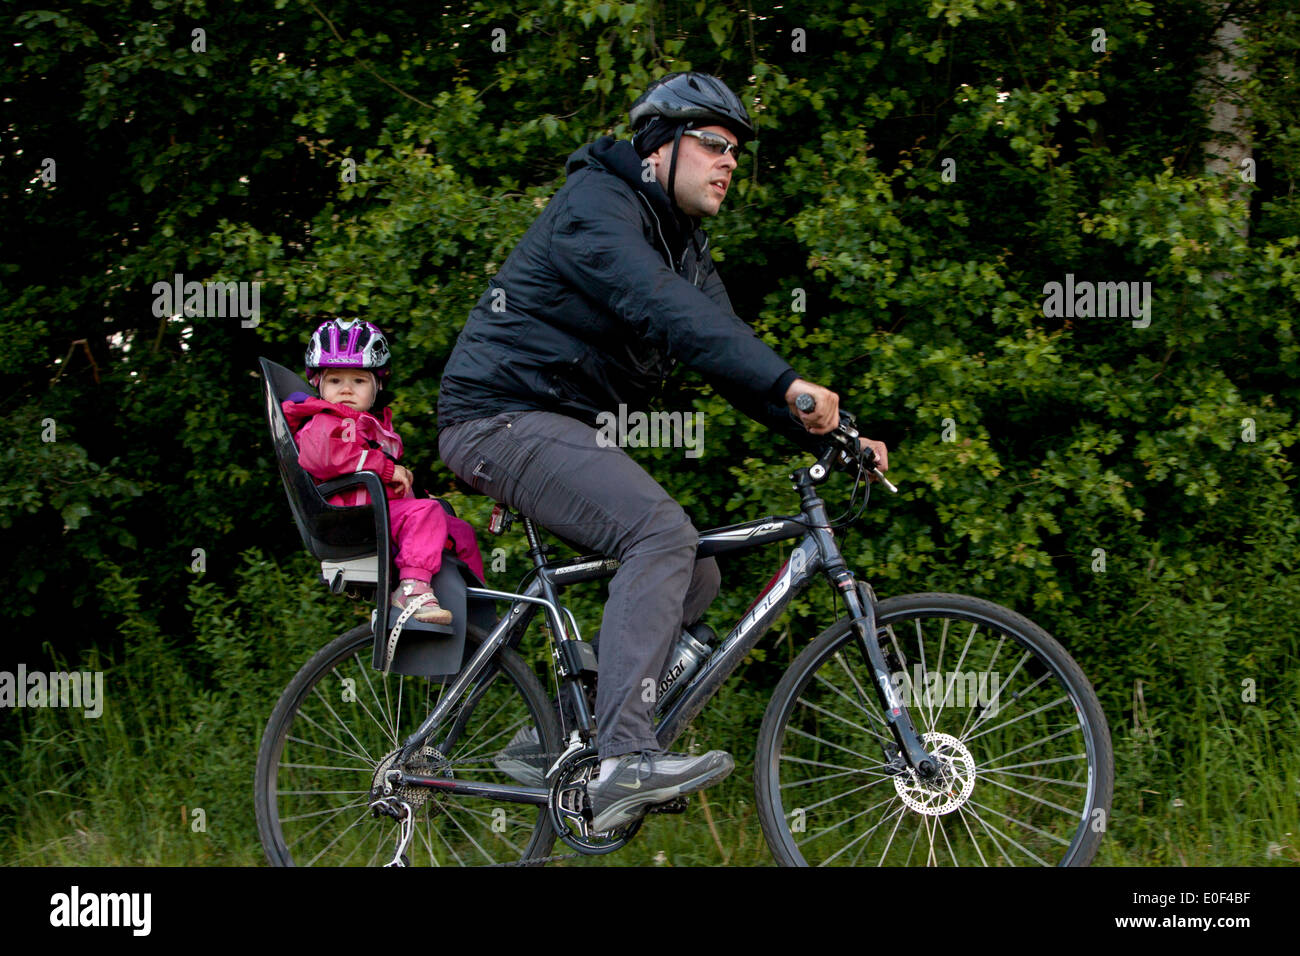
(816, 739)
(292, 793)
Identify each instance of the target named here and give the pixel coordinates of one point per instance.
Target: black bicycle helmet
(677, 102)
(692, 98)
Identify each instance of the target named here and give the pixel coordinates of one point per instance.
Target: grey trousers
(550, 468)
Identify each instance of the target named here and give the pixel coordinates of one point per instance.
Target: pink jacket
(334, 440)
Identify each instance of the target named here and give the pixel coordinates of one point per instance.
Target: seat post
(534, 542)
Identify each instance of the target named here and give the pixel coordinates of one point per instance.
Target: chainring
(570, 808)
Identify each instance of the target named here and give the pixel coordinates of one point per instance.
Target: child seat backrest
(330, 532)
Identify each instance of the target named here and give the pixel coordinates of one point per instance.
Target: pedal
(675, 805)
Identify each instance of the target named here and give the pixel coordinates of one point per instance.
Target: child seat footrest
(423, 650)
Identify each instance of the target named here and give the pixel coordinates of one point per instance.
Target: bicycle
(1021, 773)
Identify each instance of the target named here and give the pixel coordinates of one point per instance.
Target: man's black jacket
(605, 292)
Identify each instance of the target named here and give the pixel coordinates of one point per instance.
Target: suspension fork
(861, 603)
(862, 611)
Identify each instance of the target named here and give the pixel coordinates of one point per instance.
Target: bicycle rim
(339, 719)
(1026, 757)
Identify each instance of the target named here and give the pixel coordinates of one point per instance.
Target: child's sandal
(411, 592)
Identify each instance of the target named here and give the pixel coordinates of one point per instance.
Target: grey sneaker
(641, 780)
(522, 758)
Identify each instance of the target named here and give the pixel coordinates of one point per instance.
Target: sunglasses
(715, 144)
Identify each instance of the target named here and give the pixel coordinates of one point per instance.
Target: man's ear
(659, 162)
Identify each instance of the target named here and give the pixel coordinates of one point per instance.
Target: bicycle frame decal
(804, 565)
(778, 586)
(582, 569)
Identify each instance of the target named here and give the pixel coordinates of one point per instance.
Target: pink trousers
(421, 529)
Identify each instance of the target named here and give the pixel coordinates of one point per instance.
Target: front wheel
(339, 725)
(1026, 765)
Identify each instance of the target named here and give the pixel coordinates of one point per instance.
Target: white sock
(607, 766)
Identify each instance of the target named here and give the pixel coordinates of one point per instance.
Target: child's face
(354, 388)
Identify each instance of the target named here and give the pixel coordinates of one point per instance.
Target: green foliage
(922, 171)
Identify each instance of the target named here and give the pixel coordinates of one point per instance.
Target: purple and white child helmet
(348, 343)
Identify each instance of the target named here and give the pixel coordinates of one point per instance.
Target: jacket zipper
(659, 229)
(663, 379)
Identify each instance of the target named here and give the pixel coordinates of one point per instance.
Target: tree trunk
(1229, 118)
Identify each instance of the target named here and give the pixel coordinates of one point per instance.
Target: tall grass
(1205, 774)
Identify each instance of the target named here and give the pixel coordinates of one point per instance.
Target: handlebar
(844, 443)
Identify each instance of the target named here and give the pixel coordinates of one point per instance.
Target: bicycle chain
(539, 860)
(554, 858)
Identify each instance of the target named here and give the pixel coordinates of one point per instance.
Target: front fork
(862, 611)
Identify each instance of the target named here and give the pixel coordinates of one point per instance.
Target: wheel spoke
(822, 710)
(332, 812)
(821, 740)
(339, 720)
(898, 813)
(832, 776)
(1030, 796)
(1028, 826)
(1034, 856)
(342, 745)
(387, 711)
(890, 799)
(1041, 741)
(317, 766)
(866, 702)
(353, 825)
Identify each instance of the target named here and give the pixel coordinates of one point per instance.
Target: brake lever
(867, 454)
(848, 429)
(883, 480)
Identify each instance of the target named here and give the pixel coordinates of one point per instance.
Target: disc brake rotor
(950, 788)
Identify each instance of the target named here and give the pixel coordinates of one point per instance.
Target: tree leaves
(921, 172)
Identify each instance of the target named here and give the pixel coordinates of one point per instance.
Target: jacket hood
(618, 157)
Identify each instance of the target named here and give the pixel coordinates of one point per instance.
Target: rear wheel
(1025, 754)
(340, 723)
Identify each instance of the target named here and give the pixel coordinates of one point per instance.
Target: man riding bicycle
(607, 291)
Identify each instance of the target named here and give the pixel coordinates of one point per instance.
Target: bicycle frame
(816, 554)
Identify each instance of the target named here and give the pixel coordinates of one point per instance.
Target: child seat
(348, 540)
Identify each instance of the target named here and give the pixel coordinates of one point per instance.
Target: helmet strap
(672, 167)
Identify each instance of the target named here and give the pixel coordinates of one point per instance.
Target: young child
(348, 362)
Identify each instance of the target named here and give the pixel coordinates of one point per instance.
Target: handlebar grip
(805, 402)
